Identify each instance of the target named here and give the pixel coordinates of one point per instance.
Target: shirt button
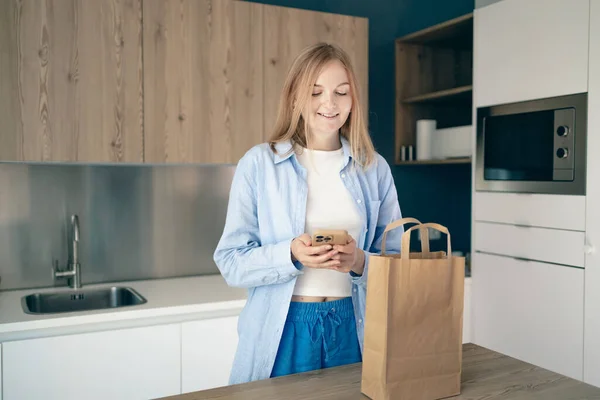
(343, 175)
(354, 290)
(360, 321)
(358, 201)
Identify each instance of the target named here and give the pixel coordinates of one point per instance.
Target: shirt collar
(284, 151)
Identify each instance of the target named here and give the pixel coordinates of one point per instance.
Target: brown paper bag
(413, 321)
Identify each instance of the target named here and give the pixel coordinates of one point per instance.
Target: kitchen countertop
(168, 300)
(485, 375)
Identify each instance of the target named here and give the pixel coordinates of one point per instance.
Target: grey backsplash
(136, 221)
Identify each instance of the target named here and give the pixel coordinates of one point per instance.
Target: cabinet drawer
(541, 244)
(529, 310)
(541, 210)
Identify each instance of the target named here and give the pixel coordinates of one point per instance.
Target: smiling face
(330, 103)
(320, 104)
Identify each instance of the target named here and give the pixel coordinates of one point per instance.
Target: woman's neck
(325, 143)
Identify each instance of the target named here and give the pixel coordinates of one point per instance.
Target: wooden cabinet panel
(157, 81)
(287, 31)
(203, 80)
(70, 81)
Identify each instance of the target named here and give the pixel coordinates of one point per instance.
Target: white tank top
(329, 206)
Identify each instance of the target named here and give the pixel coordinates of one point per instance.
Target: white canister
(425, 130)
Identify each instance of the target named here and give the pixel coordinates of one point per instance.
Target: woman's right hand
(313, 256)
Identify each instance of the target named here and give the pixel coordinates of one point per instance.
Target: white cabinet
(138, 363)
(530, 310)
(529, 49)
(592, 259)
(467, 319)
(545, 314)
(557, 246)
(0, 371)
(207, 352)
(531, 209)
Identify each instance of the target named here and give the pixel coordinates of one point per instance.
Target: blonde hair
(296, 93)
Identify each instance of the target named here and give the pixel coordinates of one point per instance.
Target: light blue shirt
(266, 211)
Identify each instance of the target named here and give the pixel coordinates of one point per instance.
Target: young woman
(306, 302)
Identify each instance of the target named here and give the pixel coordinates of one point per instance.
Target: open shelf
(457, 33)
(458, 93)
(434, 78)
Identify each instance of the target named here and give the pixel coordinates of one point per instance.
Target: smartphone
(329, 236)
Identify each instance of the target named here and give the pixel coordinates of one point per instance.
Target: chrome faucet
(73, 268)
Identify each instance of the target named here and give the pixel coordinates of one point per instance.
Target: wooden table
(486, 375)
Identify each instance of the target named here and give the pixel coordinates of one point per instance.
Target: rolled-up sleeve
(240, 256)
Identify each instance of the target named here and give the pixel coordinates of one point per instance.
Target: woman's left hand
(351, 258)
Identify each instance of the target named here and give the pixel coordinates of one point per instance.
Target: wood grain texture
(70, 80)
(202, 74)
(287, 31)
(11, 131)
(444, 34)
(485, 375)
(248, 91)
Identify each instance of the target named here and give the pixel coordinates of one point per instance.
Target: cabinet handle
(522, 259)
(522, 226)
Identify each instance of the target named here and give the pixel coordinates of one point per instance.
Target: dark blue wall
(430, 193)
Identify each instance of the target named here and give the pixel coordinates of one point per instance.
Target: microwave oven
(536, 146)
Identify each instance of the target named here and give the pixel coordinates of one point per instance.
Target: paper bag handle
(401, 222)
(405, 247)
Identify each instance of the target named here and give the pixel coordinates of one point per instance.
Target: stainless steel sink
(81, 300)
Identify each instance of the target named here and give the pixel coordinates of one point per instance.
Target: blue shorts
(317, 335)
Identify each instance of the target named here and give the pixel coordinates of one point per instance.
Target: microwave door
(519, 147)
